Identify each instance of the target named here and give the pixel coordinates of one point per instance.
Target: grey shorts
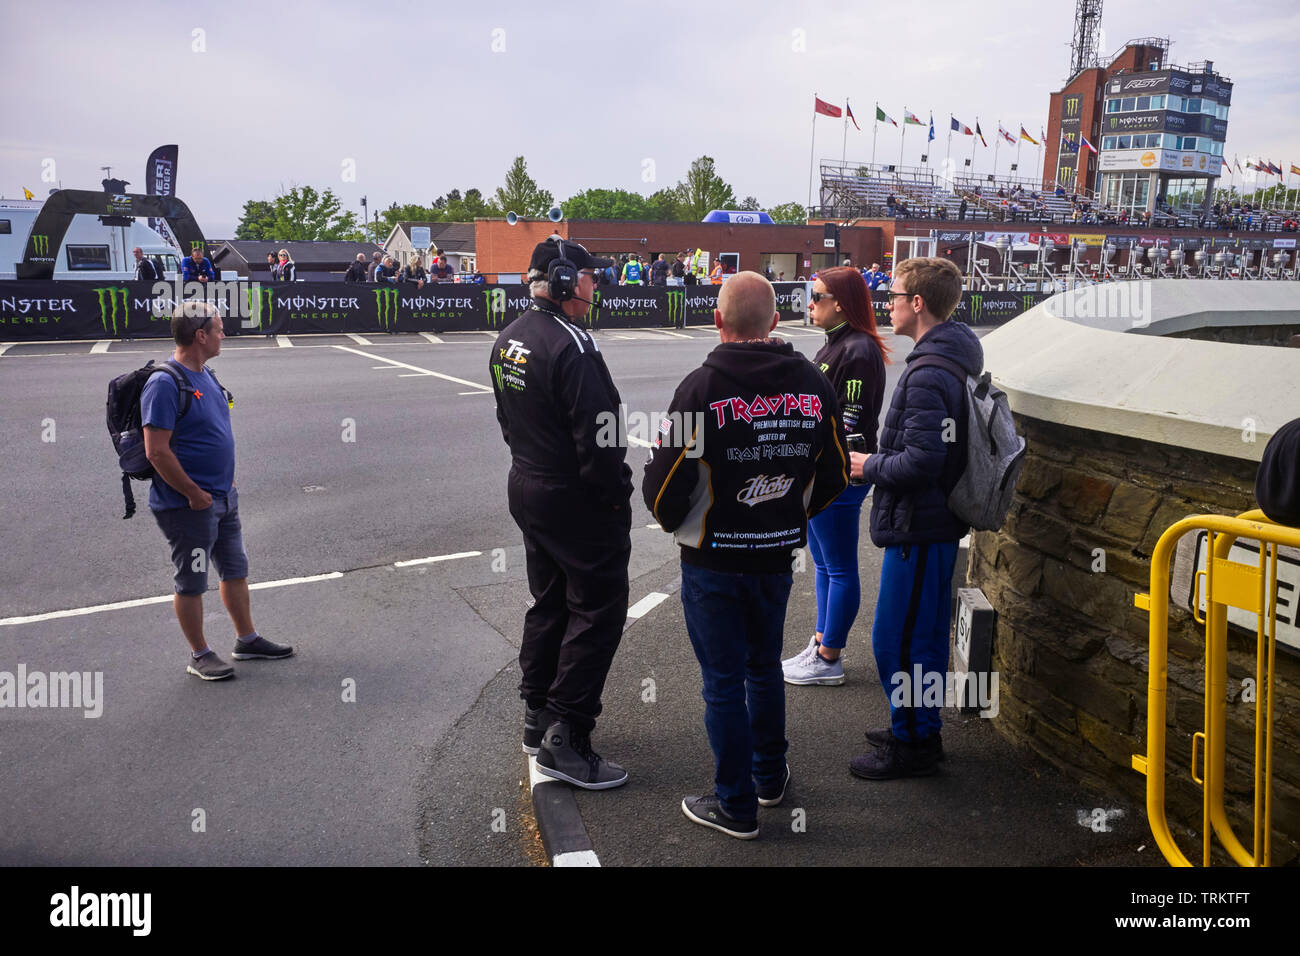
(200, 537)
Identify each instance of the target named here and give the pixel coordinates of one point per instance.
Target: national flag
(1276, 170)
(961, 127)
(911, 118)
(882, 118)
(826, 109)
(1027, 137)
(1250, 165)
(1070, 144)
(931, 127)
(1084, 141)
(1236, 162)
(1295, 170)
(980, 133)
(28, 194)
(850, 112)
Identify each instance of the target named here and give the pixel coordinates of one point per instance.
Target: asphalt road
(421, 763)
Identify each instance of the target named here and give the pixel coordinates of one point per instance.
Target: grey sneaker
(707, 811)
(209, 667)
(803, 654)
(814, 670)
(566, 754)
(260, 649)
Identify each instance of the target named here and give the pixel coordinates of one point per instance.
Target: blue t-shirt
(202, 439)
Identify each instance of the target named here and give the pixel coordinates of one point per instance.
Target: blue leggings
(833, 541)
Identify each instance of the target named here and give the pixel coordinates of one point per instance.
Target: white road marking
(6, 346)
(283, 342)
(390, 367)
(676, 335)
(414, 368)
(100, 347)
(164, 599)
(359, 339)
(436, 558)
(432, 338)
(647, 604)
(474, 393)
(576, 858)
(412, 375)
(654, 527)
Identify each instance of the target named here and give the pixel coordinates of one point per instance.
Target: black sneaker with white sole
(565, 753)
(260, 649)
(210, 667)
(772, 796)
(707, 811)
(534, 728)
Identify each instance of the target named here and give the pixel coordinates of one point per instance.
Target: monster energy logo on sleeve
(40, 245)
(499, 376)
(263, 307)
(495, 302)
(386, 301)
(853, 390)
(676, 307)
(108, 300)
(976, 307)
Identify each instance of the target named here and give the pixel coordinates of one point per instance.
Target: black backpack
(125, 428)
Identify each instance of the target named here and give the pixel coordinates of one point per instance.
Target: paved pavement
(424, 765)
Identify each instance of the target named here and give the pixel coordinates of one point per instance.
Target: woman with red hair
(853, 358)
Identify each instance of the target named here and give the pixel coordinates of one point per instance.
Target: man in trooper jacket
(749, 449)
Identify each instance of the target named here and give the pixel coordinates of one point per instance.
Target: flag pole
(997, 144)
(973, 140)
(948, 159)
(844, 150)
(874, 125)
(812, 147)
(1018, 142)
(901, 140)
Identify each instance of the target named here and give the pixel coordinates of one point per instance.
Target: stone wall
(1071, 648)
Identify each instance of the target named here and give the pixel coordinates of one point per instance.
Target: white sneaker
(803, 654)
(814, 670)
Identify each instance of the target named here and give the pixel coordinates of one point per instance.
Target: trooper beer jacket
(750, 449)
(558, 407)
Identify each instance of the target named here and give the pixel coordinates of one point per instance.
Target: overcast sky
(423, 98)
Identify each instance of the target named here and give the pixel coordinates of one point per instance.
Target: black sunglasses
(818, 296)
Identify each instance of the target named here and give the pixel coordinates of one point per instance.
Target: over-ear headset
(562, 275)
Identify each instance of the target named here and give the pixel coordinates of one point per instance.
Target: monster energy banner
(976, 308)
(46, 309)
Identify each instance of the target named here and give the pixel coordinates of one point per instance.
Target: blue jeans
(833, 543)
(736, 623)
(910, 629)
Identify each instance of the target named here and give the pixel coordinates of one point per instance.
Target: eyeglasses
(588, 273)
(892, 295)
(818, 296)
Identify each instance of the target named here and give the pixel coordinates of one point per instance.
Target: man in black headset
(569, 491)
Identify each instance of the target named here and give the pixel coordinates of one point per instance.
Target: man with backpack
(185, 415)
(922, 453)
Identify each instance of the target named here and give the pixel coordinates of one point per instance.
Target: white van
(90, 249)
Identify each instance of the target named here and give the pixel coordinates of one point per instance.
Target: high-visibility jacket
(716, 275)
(632, 273)
(697, 263)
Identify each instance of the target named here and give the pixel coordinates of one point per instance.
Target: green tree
(472, 206)
(256, 221)
(664, 206)
(789, 212)
(520, 193)
(606, 204)
(749, 204)
(703, 190)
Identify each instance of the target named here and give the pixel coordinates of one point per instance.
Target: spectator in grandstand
(377, 260)
(1060, 192)
(1014, 208)
(357, 271)
(414, 271)
(890, 203)
(941, 212)
(1002, 193)
(441, 271)
(285, 271)
(961, 210)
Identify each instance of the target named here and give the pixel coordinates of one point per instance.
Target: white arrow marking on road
(283, 342)
(359, 339)
(413, 368)
(100, 347)
(432, 338)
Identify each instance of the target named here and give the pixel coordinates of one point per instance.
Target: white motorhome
(90, 250)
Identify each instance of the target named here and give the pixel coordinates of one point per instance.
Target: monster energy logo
(1029, 302)
(976, 307)
(499, 375)
(494, 301)
(676, 307)
(386, 301)
(263, 306)
(589, 317)
(195, 246)
(108, 300)
(40, 245)
(853, 390)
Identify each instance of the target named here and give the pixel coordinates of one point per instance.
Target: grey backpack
(995, 454)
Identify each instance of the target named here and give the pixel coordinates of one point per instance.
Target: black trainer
(879, 736)
(209, 667)
(707, 811)
(897, 758)
(772, 796)
(565, 754)
(260, 649)
(533, 729)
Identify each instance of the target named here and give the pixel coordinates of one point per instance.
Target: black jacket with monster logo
(750, 449)
(853, 363)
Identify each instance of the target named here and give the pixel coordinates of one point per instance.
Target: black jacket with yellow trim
(750, 449)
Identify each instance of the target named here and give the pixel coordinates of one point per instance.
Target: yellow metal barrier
(1227, 583)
